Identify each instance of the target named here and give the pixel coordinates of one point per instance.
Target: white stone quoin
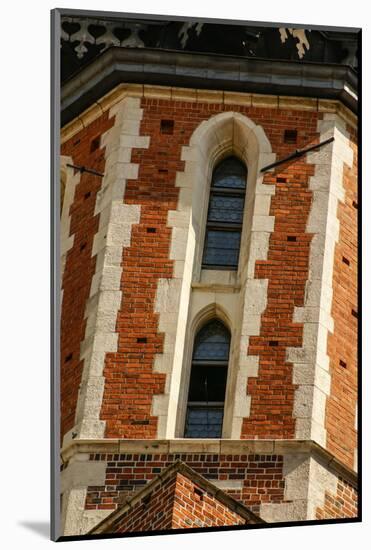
(115, 222)
(311, 362)
(66, 239)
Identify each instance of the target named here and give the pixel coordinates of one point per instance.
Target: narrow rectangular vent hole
(281, 180)
(87, 195)
(199, 493)
(290, 136)
(346, 261)
(273, 343)
(68, 357)
(342, 364)
(140, 422)
(355, 313)
(162, 171)
(167, 126)
(146, 499)
(355, 205)
(94, 145)
(151, 230)
(82, 246)
(141, 340)
(291, 238)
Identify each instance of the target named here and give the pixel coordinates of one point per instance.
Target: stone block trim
(325, 481)
(75, 477)
(114, 233)
(340, 504)
(78, 228)
(311, 363)
(285, 268)
(260, 476)
(131, 380)
(342, 342)
(69, 180)
(294, 505)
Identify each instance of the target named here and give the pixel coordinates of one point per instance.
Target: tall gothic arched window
(225, 214)
(208, 379)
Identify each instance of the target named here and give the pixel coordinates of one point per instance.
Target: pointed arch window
(225, 215)
(206, 395)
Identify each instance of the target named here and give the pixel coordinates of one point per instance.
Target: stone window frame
(200, 327)
(227, 133)
(206, 315)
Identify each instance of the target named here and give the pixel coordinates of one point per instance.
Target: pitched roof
(119, 519)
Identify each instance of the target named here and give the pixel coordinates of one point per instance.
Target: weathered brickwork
(80, 265)
(342, 344)
(195, 509)
(130, 380)
(341, 505)
(261, 476)
(177, 504)
(155, 515)
(132, 377)
(272, 392)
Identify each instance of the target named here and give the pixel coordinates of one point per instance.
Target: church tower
(208, 290)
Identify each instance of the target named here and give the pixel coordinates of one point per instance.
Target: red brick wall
(130, 381)
(80, 266)
(176, 504)
(272, 392)
(341, 505)
(150, 516)
(192, 509)
(342, 344)
(126, 473)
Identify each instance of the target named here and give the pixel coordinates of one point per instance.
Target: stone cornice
(209, 446)
(215, 72)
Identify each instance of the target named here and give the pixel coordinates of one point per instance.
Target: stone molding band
(208, 446)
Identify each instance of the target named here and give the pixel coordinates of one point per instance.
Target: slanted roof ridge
(176, 467)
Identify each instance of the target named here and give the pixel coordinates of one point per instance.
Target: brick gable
(177, 499)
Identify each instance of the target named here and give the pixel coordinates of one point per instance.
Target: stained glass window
(204, 422)
(225, 215)
(222, 248)
(208, 380)
(212, 342)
